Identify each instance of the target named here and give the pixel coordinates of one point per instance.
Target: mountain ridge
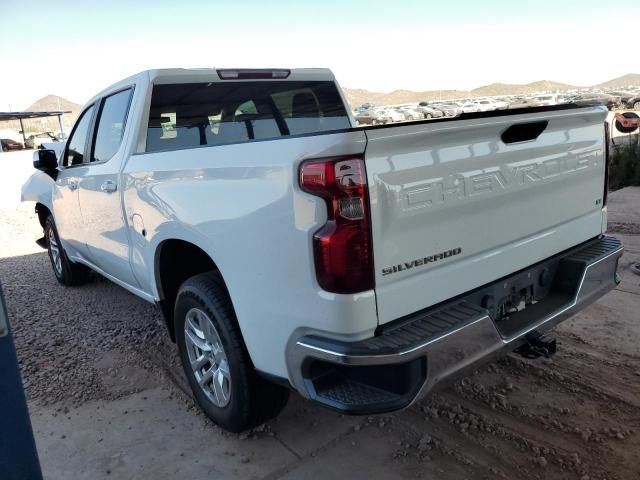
(355, 97)
(358, 96)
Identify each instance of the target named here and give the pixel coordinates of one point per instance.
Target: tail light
(342, 247)
(607, 160)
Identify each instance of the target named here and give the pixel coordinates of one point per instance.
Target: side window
(111, 122)
(78, 140)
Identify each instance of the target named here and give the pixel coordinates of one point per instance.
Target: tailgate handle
(523, 132)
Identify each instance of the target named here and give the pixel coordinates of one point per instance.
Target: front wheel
(636, 106)
(66, 272)
(215, 360)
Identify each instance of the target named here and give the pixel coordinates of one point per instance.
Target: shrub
(624, 170)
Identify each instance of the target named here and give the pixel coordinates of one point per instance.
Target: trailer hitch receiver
(537, 345)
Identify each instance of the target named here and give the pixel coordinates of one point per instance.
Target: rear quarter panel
(241, 204)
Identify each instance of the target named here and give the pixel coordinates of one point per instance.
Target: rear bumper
(406, 359)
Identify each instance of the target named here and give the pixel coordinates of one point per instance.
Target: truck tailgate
(458, 204)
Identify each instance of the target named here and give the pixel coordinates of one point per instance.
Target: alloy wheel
(54, 248)
(207, 357)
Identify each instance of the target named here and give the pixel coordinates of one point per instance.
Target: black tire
(252, 399)
(66, 272)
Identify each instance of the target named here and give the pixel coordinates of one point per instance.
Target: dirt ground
(108, 399)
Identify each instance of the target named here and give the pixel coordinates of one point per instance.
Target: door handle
(109, 186)
(73, 185)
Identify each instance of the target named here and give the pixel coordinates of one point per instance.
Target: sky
(76, 48)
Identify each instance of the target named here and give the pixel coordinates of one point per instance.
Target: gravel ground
(108, 399)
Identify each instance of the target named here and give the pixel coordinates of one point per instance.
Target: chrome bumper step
(407, 358)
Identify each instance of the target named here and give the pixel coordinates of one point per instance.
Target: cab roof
(196, 75)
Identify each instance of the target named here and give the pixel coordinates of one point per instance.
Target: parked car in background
(470, 107)
(523, 102)
(610, 101)
(485, 105)
(36, 141)
(634, 103)
(9, 145)
(393, 115)
(364, 107)
(502, 102)
(631, 100)
(411, 113)
(497, 104)
(550, 99)
(372, 117)
(431, 111)
(624, 96)
(450, 109)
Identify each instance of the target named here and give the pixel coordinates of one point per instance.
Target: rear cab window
(197, 114)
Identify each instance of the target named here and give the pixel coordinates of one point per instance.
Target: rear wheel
(636, 105)
(215, 360)
(66, 272)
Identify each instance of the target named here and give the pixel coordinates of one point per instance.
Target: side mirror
(45, 160)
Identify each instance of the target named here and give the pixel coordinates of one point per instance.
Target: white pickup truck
(289, 249)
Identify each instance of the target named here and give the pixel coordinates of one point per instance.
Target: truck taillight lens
(342, 247)
(607, 161)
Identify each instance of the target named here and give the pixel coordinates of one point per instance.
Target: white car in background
(393, 114)
(411, 113)
(485, 105)
(548, 99)
(498, 104)
(470, 107)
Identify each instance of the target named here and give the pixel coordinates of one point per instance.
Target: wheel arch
(43, 211)
(175, 261)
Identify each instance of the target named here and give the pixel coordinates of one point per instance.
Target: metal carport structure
(6, 116)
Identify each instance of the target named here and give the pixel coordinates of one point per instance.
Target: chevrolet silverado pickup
(289, 249)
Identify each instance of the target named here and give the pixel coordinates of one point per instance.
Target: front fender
(38, 188)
